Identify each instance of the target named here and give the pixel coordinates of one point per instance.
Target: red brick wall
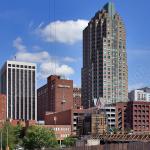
(139, 116)
(62, 118)
(51, 101)
(66, 92)
(121, 110)
(57, 93)
(135, 115)
(77, 98)
(42, 102)
(3, 107)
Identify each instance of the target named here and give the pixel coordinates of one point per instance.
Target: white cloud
(47, 65)
(32, 57)
(67, 32)
(69, 59)
(18, 44)
(50, 67)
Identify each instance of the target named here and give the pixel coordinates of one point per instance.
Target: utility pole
(1, 140)
(7, 148)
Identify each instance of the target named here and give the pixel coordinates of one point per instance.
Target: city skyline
(26, 27)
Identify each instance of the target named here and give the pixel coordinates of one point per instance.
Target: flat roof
(21, 63)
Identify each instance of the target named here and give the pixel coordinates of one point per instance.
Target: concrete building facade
(110, 112)
(55, 96)
(18, 83)
(105, 70)
(139, 95)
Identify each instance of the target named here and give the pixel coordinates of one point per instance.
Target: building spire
(110, 8)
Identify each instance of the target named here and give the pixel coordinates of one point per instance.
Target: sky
(49, 33)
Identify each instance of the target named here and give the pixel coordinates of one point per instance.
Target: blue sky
(26, 31)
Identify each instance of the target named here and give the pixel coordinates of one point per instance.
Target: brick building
(134, 115)
(3, 108)
(67, 117)
(61, 131)
(138, 114)
(55, 96)
(98, 124)
(125, 116)
(121, 116)
(42, 102)
(77, 98)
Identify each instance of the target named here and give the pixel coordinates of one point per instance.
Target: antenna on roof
(15, 58)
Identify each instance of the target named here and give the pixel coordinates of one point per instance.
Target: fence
(114, 146)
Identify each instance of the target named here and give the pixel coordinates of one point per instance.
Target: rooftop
(110, 8)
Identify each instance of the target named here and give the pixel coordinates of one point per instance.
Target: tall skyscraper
(18, 83)
(105, 70)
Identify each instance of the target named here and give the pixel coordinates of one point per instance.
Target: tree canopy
(39, 137)
(10, 135)
(31, 138)
(69, 141)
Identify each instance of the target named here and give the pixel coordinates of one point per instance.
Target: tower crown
(110, 8)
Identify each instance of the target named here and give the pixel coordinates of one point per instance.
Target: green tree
(39, 137)
(8, 134)
(69, 141)
(127, 130)
(19, 134)
(114, 130)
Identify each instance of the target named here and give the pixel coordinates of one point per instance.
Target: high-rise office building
(105, 70)
(18, 83)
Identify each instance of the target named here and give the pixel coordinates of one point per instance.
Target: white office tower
(18, 83)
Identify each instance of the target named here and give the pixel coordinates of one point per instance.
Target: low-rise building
(110, 111)
(138, 114)
(121, 116)
(139, 95)
(124, 116)
(67, 117)
(93, 123)
(98, 123)
(61, 131)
